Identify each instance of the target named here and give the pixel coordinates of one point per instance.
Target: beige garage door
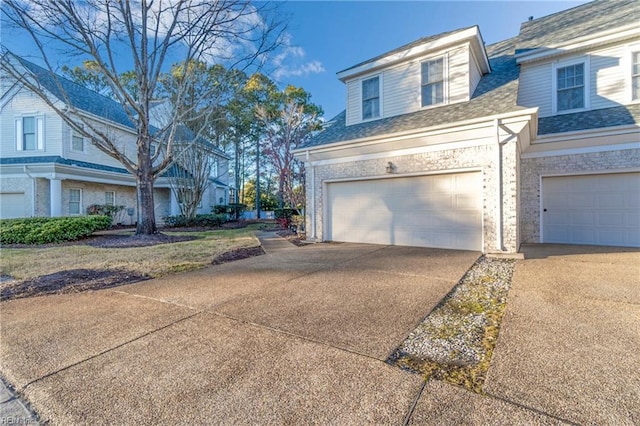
(595, 209)
(442, 211)
(12, 205)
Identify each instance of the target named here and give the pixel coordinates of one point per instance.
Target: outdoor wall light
(390, 167)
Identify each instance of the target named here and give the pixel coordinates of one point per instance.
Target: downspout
(33, 191)
(499, 221)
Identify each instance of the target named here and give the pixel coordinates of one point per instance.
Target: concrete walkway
(300, 336)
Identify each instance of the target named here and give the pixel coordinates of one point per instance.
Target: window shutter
(19, 134)
(40, 132)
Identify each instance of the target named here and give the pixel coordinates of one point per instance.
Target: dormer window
(433, 82)
(371, 98)
(570, 88)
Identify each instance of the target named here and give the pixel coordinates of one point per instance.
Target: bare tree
(148, 33)
(288, 120)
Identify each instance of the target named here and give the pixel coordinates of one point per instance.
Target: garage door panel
(427, 211)
(596, 209)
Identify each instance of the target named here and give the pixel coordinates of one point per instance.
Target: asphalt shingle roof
(580, 21)
(78, 96)
(497, 91)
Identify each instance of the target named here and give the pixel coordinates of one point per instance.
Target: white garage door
(596, 209)
(442, 211)
(12, 205)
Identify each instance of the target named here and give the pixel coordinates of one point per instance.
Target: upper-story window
(433, 82)
(77, 141)
(371, 98)
(29, 133)
(635, 76)
(570, 87)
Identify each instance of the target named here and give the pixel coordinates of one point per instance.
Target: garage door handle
(544, 210)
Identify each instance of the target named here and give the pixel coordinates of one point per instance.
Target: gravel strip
(461, 330)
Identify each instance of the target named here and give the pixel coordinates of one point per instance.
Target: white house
(446, 142)
(47, 169)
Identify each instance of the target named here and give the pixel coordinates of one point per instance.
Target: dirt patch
(237, 254)
(71, 281)
(290, 236)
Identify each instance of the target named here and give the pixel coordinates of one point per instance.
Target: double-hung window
(77, 141)
(29, 133)
(110, 198)
(432, 82)
(635, 76)
(570, 87)
(371, 98)
(75, 201)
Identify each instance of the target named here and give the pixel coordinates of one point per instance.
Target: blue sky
(333, 35)
(328, 36)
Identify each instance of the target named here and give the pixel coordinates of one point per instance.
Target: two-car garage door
(442, 211)
(594, 209)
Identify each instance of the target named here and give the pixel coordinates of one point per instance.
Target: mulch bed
(237, 254)
(71, 281)
(290, 236)
(112, 241)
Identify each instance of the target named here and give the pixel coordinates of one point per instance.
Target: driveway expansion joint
(67, 367)
(414, 404)
(532, 409)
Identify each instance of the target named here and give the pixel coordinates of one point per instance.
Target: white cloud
(290, 62)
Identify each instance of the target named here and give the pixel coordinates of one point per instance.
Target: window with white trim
(110, 198)
(570, 87)
(77, 141)
(29, 133)
(371, 98)
(432, 82)
(75, 201)
(635, 76)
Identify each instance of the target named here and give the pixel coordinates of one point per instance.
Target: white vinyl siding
(400, 85)
(607, 80)
(474, 74)
(401, 90)
(75, 201)
(457, 66)
(371, 98)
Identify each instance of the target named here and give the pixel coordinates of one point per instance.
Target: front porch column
(55, 197)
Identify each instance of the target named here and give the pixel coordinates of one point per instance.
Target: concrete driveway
(299, 335)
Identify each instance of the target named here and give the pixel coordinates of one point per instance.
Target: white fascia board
(605, 37)
(387, 60)
(589, 133)
(581, 150)
(526, 114)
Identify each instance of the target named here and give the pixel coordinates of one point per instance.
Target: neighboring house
(47, 169)
(447, 143)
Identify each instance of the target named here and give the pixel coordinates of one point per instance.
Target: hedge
(204, 220)
(45, 230)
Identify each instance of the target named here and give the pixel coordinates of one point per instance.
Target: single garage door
(442, 211)
(594, 209)
(12, 205)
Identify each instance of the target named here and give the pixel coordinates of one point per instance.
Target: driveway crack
(407, 418)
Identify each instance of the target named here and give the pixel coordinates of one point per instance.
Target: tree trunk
(257, 178)
(146, 206)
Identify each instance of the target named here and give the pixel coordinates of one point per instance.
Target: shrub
(203, 220)
(236, 210)
(104, 210)
(283, 216)
(220, 209)
(44, 230)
